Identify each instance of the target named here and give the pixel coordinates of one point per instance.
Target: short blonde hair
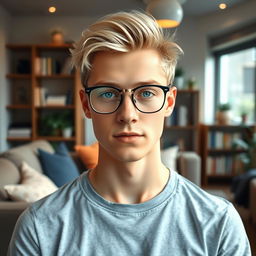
(124, 32)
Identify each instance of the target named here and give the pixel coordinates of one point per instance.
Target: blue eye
(107, 95)
(146, 94)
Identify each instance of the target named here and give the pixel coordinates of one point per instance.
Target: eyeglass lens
(146, 99)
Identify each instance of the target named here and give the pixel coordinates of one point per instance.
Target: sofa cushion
(9, 174)
(88, 154)
(28, 153)
(59, 166)
(33, 186)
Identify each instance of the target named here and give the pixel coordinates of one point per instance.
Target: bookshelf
(182, 127)
(220, 161)
(42, 85)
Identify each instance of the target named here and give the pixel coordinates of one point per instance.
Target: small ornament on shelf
(191, 84)
(57, 37)
(223, 115)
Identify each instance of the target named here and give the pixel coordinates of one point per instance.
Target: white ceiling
(101, 7)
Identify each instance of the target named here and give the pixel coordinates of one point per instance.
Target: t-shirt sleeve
(234, 239)
(24, 239)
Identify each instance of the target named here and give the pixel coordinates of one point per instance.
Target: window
(236, 80)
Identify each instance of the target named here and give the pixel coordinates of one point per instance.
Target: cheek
(155, 123)
(101, 125)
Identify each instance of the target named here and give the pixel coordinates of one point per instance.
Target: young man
(130, 204)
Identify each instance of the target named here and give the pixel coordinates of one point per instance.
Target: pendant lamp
(168, 13)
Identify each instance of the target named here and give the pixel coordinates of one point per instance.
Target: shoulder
(59, 201)
(203, 203)
(215, 216)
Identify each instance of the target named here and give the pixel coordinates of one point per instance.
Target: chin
(128, 155)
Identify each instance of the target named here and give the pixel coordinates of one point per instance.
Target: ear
(170, 99)
(85, 103)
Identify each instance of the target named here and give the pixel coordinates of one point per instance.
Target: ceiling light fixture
(222, 6)
(168, 13)
(52, 9)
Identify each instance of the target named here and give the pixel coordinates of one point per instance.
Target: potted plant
(57, 124)
(191, 84)
(248, 144)
(223, 114)
(244, 117)
(179, 78)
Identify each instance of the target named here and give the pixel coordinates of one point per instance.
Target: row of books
(221, 140)
(223, 165)
(20, 130)
(51, 66)
(42, 98)
(179, 117)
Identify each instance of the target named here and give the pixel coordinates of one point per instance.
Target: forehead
(127, 68)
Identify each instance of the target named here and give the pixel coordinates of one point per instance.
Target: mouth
(128, 136)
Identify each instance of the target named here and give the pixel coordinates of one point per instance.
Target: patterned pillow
(33, 186)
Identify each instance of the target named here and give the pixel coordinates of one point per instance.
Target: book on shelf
(47, 66)
(182, 115)
(179, 117)
(56, 100)
(223, 165)
(221, 140)
(40, 95)
(43, 98)
(19, 130)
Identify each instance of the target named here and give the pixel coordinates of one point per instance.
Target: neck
(129, 182)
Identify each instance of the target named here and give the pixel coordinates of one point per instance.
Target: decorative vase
(67, 132)
(223, 117)
(244, 118)
(57, 38)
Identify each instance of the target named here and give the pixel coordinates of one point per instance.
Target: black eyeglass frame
(88, 91)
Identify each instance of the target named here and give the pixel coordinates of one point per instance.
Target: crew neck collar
(149, 205)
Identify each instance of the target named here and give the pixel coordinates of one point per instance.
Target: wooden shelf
(219, 159)
(220, 176)
(18, 106)
(53, 46)
(182, 127)
(187, 91)
(189, 127)
(225, 151)
(56, 107)
(18, 76)
(56, 83)
(56, 76)
(19, 46)
(19, 138)
(55, 138)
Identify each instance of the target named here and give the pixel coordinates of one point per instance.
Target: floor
(224, 189)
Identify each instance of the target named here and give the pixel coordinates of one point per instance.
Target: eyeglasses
(146, 98)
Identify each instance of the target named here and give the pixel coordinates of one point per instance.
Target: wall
(4, 29)
(38, 29)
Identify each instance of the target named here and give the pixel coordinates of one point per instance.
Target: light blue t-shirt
(181, 220)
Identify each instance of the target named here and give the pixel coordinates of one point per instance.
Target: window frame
(217, 55)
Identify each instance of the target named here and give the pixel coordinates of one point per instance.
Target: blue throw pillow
(59, 167)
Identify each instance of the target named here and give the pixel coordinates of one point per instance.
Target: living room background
(192, 35)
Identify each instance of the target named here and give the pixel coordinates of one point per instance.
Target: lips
(128, 134)
(128, 137)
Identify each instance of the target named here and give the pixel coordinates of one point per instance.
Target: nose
(127, 112)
